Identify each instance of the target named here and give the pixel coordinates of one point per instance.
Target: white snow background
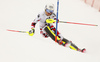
(20, 47)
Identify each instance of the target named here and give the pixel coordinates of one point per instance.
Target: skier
(46, 20)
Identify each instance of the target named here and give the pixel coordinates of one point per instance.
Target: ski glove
(31, 32)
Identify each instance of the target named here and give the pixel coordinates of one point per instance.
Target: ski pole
(78, 23)
(17, 31)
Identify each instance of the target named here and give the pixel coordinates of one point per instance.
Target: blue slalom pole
(57, 20)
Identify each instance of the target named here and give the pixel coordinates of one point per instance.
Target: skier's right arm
(32, 31)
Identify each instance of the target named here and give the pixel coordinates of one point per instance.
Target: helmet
(49, 8)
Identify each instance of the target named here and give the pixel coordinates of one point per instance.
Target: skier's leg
(69, 44)
(43, 33)
(65, 42)
(51, 33)
(54, 31)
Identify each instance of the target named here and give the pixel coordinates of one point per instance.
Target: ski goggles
(49, 11)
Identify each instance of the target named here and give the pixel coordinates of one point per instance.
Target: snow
(20, 47)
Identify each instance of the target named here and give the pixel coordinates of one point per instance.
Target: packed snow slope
(20, 47)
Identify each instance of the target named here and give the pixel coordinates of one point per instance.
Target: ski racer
(47, 29)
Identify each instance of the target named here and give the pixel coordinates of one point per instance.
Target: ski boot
(82, 50)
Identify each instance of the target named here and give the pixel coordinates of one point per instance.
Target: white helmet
(49, 7)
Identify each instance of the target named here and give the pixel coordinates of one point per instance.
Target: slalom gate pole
(57, 20)
(78, 23)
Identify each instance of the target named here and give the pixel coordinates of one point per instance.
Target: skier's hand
(56, 19)
(50, 21)
(31, 32)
